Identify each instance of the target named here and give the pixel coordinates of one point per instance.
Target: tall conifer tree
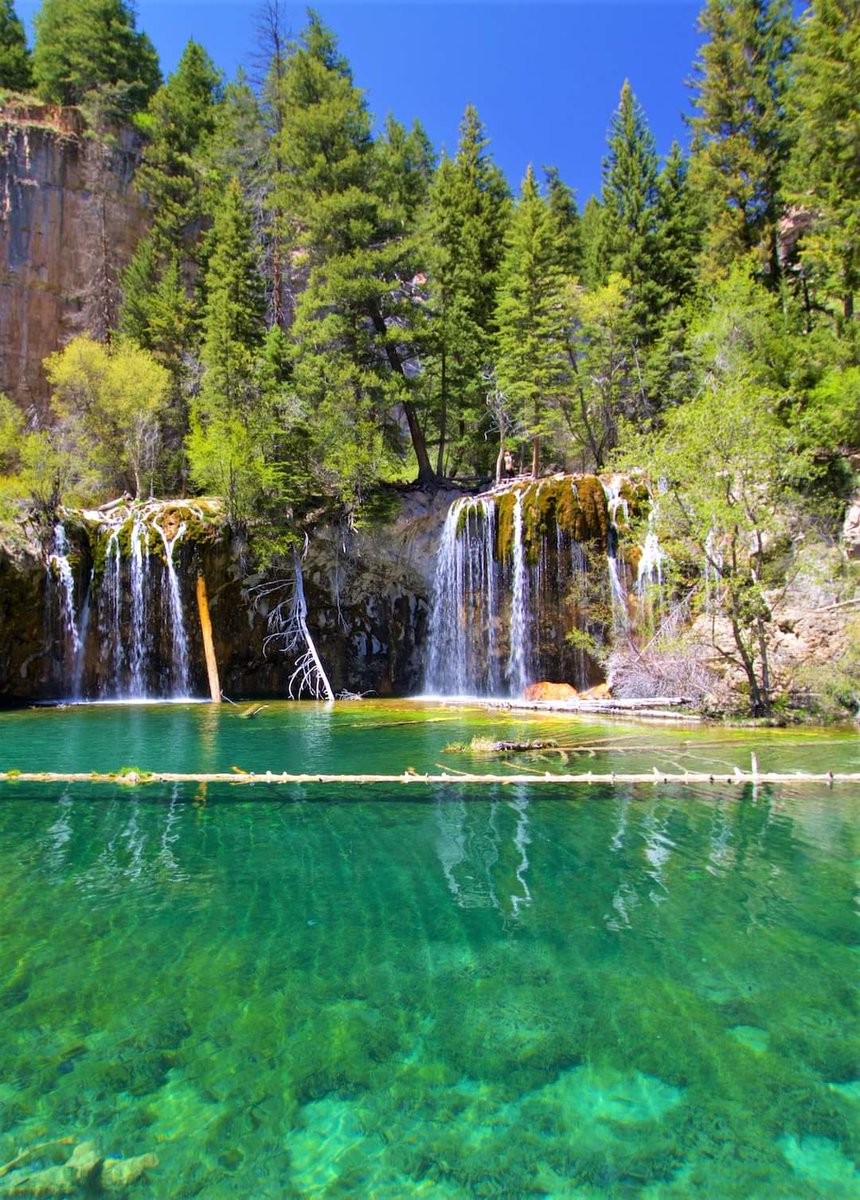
(179, 122)
(629, 218)
(824, 181)
(86, 45)
(532, 318)
(741, 140)
(229, 428)
(16, 64)
(352, 341)
(565, 220)
(464, 227)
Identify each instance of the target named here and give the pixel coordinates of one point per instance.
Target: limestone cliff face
(69, 222)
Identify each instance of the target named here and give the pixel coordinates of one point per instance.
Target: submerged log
(480, 745)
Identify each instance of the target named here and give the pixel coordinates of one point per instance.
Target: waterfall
(61, 570)
(138, 578)
(177, 618)
(650, 571)
(83, 632)
(518, 655)
(115, 624)
(513, 600)
(110, 614)
(615, 503)
(465, 600)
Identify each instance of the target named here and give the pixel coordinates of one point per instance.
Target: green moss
(576, 505)
(132, 775)
(505, 504)
(469, 510)
(593, 520)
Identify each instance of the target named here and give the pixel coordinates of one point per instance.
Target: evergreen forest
(320, 311)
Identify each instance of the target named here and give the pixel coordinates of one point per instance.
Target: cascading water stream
(111, 613)
(513, 599)
(518, 656)
(615, 503)
(650, 570)
(465, 599)
(138, 579)
(177, 618)
(61, 570)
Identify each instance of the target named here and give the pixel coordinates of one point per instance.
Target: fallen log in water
(134, 778)
(655, 708)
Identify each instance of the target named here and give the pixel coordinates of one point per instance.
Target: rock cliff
(67, 625)
(69, 221)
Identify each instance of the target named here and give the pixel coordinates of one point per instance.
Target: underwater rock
(52, 1181)
(86, 1170)
(120, 1173)
(550, 691)
(85, 1164)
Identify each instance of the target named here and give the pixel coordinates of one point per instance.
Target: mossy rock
(574, 504)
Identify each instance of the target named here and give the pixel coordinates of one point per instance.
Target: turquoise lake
(644, 992)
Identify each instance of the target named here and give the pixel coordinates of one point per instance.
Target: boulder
(119, 1173)
(550, 691)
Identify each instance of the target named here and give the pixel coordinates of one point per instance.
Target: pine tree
(352, 343)
(463, 233)
(629, 181)
(230, 428)
(824, 183)
(83, 46)
(237, 147)
(678, 227)
(532, 318)
(677, 249)
(741, 140)
(404, 167)
(179, 122)
(565, 220)
(595, 250)
(16, 64)
(630, 196)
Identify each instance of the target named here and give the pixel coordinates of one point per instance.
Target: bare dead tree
(500, 417)
(288, 631)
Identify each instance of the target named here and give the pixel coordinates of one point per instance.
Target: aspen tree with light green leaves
(723, 466)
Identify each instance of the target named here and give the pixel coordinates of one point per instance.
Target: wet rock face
(368, 595)
(69, 222)
(26, 668)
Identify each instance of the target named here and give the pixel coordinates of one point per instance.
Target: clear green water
(640, 993)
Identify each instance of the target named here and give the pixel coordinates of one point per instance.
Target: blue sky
(544, 77)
